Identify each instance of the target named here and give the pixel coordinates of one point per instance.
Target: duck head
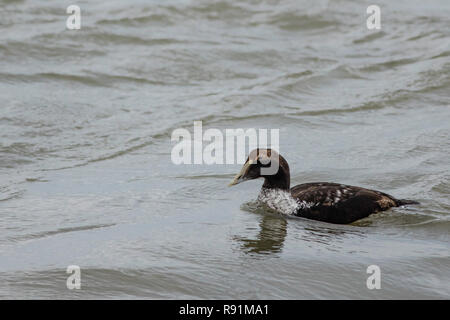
(267, 164)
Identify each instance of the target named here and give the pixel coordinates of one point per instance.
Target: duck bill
(240, 177)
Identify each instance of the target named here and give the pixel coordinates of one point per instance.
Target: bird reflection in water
(270, 237)
(273, 231)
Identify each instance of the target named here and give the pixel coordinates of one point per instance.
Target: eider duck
(323, 201)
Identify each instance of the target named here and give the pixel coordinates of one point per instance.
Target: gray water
(86, 176)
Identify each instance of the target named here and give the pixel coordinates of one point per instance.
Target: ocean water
(86, 176)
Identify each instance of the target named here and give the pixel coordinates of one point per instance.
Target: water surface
(85, 171)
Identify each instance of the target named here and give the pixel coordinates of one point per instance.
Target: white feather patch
(282, 201)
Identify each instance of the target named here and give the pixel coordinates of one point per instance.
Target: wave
(88, 79)
(50, 233)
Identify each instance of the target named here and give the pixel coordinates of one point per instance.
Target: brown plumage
(324, 201)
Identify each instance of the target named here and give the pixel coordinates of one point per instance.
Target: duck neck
(280, 180)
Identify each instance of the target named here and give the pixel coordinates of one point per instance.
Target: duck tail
(402, 202)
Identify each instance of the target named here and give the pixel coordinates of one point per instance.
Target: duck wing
(339, 203)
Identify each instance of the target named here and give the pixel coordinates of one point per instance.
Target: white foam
(282, 201)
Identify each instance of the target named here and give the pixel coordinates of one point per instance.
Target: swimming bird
(324, 201)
